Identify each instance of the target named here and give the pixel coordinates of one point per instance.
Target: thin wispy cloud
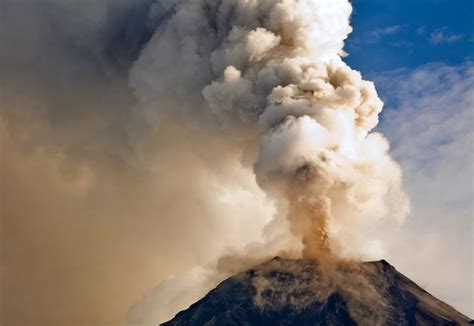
(428, 119)
(440, 37)
(379, 33)
(421, 30)
(401, 44)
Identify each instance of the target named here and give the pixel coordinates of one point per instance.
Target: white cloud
(441, 37)
(421, 30)
(429, 120)
(377, 34)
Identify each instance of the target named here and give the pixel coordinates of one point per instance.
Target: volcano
(315, 292)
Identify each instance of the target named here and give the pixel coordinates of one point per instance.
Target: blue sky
(420, 56)
(394, 34)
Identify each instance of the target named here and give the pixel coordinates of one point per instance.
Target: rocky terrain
(309, 292)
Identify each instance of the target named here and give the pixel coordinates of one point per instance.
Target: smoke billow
(164, 135)
(266, 77)
(268, 74)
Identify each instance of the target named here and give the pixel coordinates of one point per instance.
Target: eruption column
(269, 75)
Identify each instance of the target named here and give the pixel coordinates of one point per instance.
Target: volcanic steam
(269, 75)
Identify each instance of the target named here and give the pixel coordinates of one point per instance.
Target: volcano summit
(310, 292)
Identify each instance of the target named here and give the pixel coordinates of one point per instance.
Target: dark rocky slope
(306, 292)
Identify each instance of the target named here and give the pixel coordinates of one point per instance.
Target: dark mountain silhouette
(310, 292)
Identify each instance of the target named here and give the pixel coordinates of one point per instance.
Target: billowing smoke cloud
(269, 75)
(98, 201)
(151, 138)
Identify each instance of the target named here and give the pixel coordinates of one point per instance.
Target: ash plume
(174, 135)
(269, 75)
(265, 80)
